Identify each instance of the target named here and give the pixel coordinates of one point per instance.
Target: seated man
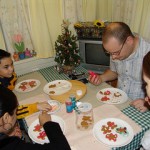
(127, 51)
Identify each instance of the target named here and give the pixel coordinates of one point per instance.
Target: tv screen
(94, 54)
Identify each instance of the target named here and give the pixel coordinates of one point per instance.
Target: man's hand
(139, 104)
(95, 79)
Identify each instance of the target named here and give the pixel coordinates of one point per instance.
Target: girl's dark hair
(4, 54)
(8, 101)
(146, 64)
(118, 30)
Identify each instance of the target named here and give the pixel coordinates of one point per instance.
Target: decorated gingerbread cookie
(42, 135)
(107, 92)
(122, 130)
(117, 94)
(112, 137)
(105, 98)
(112, 125)
(105, 129)
(37, 128)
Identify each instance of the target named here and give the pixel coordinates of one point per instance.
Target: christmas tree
(67, 52)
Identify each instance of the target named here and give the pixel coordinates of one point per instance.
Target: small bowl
(55, 106)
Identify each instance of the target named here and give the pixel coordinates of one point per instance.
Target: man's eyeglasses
(117, 52)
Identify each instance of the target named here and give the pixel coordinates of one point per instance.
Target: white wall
(32, 64)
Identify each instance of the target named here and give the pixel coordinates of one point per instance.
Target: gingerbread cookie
(37, 128)
(105, 129)
(52, 85)
(52, 92)
(101, 92)
(24, 83)
(84, 124)
(86, 121)
(112, 137)
(117, 94)
(107, 92)
(105, 98)
(42, 135)
(112, 125)
(32, 84)
(122, 130)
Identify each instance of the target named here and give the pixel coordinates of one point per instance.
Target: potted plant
(19, 45)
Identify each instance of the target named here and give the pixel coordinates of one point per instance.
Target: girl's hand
(147, 99)
(139, 104)
(44, 106)
(44, 117)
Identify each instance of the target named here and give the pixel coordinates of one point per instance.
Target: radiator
(32, 64)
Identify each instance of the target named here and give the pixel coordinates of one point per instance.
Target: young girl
(8, 108)
(146, 77)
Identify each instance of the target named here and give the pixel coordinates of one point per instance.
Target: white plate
(112, 96)
(27, 85)
(55, 106)
(57, 87)
(33, 134)
(121, 140)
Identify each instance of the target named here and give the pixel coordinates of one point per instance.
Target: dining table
(80, 140)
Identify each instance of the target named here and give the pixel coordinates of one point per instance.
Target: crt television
(94, 56)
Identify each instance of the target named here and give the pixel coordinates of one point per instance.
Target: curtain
(87, 6)
(135, 13)
(2, 43)
(45, 21)
(71, 9)
(39, 21)
(13, 22)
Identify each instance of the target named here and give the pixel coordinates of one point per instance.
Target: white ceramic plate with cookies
(57, 87)
(27, 85)
(112, 96)
(113, 132)
(37, 133)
